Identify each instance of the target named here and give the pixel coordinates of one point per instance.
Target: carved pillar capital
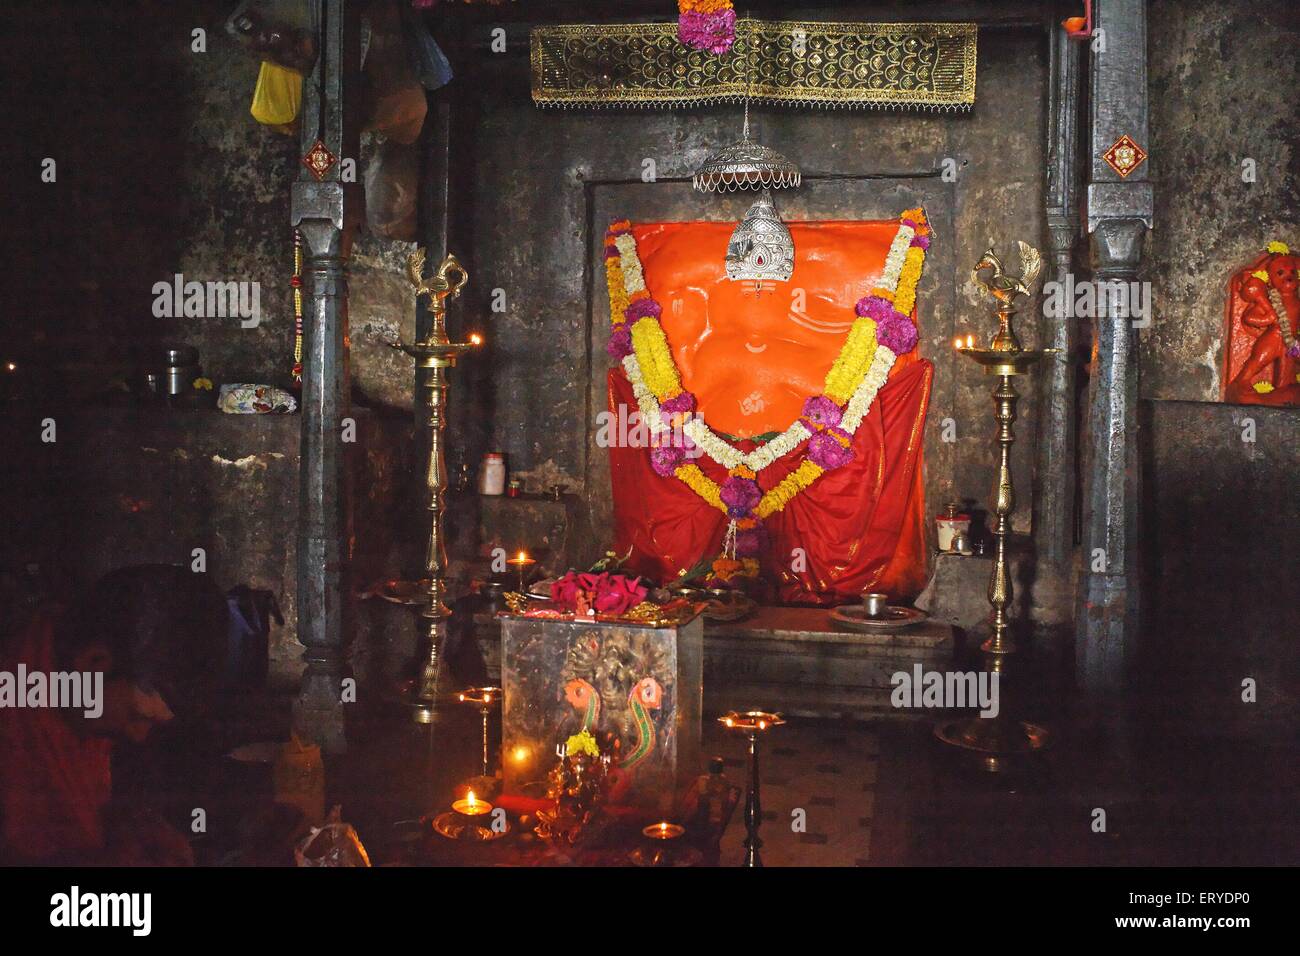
(1062, 233)
(1117, 247)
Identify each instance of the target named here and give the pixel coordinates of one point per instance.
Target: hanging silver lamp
(746, 165)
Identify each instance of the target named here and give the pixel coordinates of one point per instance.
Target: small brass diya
(522, 562)
(751, 721)
(664, 846)
(470, 819)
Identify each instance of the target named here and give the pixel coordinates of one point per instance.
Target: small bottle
(515, 488)
(492, 476)
(712, 791)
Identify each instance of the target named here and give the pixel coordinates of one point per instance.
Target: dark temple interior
(435, 445)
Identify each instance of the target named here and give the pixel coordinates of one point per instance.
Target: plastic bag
(392, 179)
(277, 96)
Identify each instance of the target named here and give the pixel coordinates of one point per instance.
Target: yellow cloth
(278, 95)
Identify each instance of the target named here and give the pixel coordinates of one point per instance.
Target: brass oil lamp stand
(435, 354)
(998, 738)
(752, 723)
(484, 697)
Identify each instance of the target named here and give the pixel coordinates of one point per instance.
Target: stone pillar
(324, 210)
(1054, 483)
(1119, 208)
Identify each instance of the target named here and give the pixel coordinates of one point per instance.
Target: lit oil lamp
(472, 810)
(522, 563)
(472, 819)
(1001, 739)
(664, 847)
(663, 831)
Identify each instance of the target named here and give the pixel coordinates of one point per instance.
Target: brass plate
(852, 617)
(407, 593)
(663, 856)
(451, 826)
(542, 588)
(995, 741)
(731, 608)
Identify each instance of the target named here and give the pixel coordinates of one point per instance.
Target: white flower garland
(645, 398)
(780, 446)
(897, 255)
(633, 278)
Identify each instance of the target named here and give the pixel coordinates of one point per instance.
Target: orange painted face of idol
(752, 358)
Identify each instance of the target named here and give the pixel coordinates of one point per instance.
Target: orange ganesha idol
(1262, 352)
(783, 416)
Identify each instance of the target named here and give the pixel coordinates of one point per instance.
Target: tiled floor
(817, 785)
(841, 794)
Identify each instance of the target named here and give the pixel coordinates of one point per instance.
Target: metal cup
(875, 605)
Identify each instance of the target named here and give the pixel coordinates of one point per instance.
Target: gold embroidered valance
(900, 65)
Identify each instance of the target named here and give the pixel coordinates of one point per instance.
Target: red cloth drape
(859, 526)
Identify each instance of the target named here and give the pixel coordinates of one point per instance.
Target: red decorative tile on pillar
(1124, 156)
(319, 160)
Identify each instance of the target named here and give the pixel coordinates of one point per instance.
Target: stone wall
(161, 169)
(1219, 512)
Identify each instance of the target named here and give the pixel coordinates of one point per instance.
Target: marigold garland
(701, 484)
(617, 294)
(905, 299)
(660, 372)
(852, 362)
(788, 487)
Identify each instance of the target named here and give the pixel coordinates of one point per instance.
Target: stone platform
(795, 661)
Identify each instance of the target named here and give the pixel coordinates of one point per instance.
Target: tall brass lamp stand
(435, 354)
(997, 738)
